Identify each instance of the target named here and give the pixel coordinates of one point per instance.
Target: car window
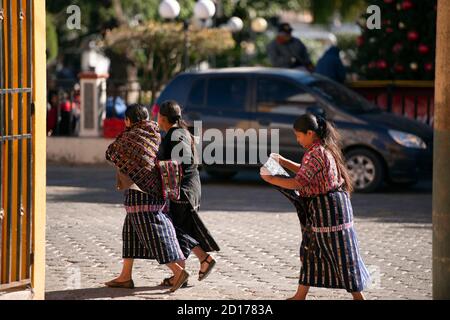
(227, 93)
(282, 97)
(176, 90)
(197, 94)
(342, 97)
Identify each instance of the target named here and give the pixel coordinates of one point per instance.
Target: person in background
(287, 51)
(52, 112)
(76, 106)
(65, 126)
(115, 107)
(330, 64)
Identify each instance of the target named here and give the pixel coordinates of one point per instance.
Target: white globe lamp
(259, 25)
(204, 9)
(169, 9)
(235, 24)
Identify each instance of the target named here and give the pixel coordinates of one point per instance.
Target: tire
(221, 174)
(366, 170)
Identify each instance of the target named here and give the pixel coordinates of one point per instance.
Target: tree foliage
(158, 49)
(52, 39)
(405, 46)
(97, 17)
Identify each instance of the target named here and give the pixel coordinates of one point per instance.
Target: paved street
(256, 228)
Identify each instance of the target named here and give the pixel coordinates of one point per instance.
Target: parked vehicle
(378, 146)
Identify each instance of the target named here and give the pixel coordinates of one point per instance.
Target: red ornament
(413, 36)
(399, 68)
(372, 65)
(429, 67)
(406, 5)
(423, 49)
(360, 41)
(397, 48)
(381, 64)
(389, 30)
(388, 1)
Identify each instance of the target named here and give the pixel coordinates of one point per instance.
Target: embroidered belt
(180, 202)
(145, 208)
(332, 229)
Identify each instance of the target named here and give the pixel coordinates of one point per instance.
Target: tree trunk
(120, 16)
(441, 176)
(128, 76)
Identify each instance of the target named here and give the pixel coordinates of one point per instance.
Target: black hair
(137, 113)
(330, 139)
(173, 112)
(51, 94)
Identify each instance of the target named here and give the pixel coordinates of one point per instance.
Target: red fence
(412, 99)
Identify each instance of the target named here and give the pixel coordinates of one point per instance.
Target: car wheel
(365, 169)
(221, 174)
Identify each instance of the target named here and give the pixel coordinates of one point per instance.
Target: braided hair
(137, 113)
(173, 112)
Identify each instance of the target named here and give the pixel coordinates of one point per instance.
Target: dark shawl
(184, 212)
(190, 185)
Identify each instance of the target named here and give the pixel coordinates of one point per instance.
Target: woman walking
(329, 252)
(148, 232)
(178, 144)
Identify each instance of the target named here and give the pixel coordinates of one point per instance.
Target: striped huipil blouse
(329, 252)
(318, 172)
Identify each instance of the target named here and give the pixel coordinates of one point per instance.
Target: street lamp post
(203, 11)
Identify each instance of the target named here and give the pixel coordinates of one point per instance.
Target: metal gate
(16, 149)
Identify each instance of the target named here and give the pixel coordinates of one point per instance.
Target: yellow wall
(14, 270)
(38, 278)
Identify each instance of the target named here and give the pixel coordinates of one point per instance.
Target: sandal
(183, 278)
(124, 285)
(168, 282)
(202, 275)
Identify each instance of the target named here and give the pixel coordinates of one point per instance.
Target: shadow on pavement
(103, 293)
(245, 193)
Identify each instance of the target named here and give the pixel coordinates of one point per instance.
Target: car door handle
(265, 123)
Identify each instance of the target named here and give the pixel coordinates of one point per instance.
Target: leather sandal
(123, 285)
(168, 282)
(202, 275)
(181, 280)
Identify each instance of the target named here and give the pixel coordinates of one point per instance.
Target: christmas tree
(404, 47)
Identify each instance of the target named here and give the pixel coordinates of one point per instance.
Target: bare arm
(290, 165)
(285, 183)
(286, 163)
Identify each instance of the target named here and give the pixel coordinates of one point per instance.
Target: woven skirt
(191, 231)
(148, 232)
(329, 250)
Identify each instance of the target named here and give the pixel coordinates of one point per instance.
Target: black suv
(378, 146)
